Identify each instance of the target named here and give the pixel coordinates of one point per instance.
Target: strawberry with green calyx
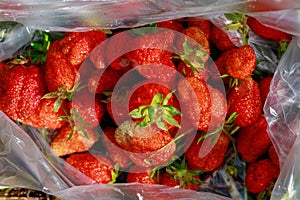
(239, 24)
(158, 111)
(69, 140)
(244, 100)
(22, 88)
(141, 175)
(95, 166)
(186, 71)
(178, 174)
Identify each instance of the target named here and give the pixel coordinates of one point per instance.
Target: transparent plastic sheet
(282, 111)
(38, 168)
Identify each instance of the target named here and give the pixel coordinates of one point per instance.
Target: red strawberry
(220, 39)
(66, 55)
(253, 140)
(146, 146)
(244, 99)
(118, 155)
(95, 166)
(204, 156)
(87, 109)
(152, 57)
(273, 156)
(259, 175)
(196, 101)
(186, 71)
(241, 63)
(264, 86)
(204, 25)
(178, 174)
(141, 175)
(170, 24)
(68, 141)
(104, 80)
(22, 90)
(267, 32)
(45, 116)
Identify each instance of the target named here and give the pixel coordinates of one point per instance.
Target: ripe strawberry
(186, 71)
(104, 80)
(196, 103)
(264, 87)
(87, 109)
(118, 155)
(141, 175)
(68, 141)
(220, 39)
(273, 156)
(244, 99)
(152, 57)
(66, 55)
(253, 140)
(203, 24)
(241, 63)
(259, 175)
(213, 155)
(147, 146)
(22, 90)
(170, 24)
(267, 32)
(178, 174)
(45, 116)
(95, 166)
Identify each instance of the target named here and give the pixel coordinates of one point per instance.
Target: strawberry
(259, 175)
(95, 166)
(253, 140)
(178, 174)
(244, 99)
(66, 55)
(117, 155)
(267, 32)
(68, 141)
(264, 87)
(170, 24)
(87, 109)
(22, 90)
(204, 24)
(186, 71)
(104, 80)
(273, 156)
(141, 175)
(45, 116)
(220, 39)
(213, 155)
(152, 56)
(241, 63)
(147, 146)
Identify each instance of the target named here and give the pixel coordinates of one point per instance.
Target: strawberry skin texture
(241, 63)
(204, 25)
(45, 116)
(141, 175)
(62, 146)
(267, 32)
(95, 166)
(259, 175)
(170, 24)
(117, 155)
(89, 106)
(152, 58)
(169, 181)
(253, 140)
(273, 156)
(213, 159)
(244, 99)
(196, 103)
(220, 39)
(264, 86)
(22, 90)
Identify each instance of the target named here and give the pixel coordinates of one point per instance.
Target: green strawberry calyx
(158, 112)
(238, 23)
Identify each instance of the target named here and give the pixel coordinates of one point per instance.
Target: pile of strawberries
(142, 105)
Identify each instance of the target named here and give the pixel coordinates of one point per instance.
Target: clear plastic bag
(26, 159)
